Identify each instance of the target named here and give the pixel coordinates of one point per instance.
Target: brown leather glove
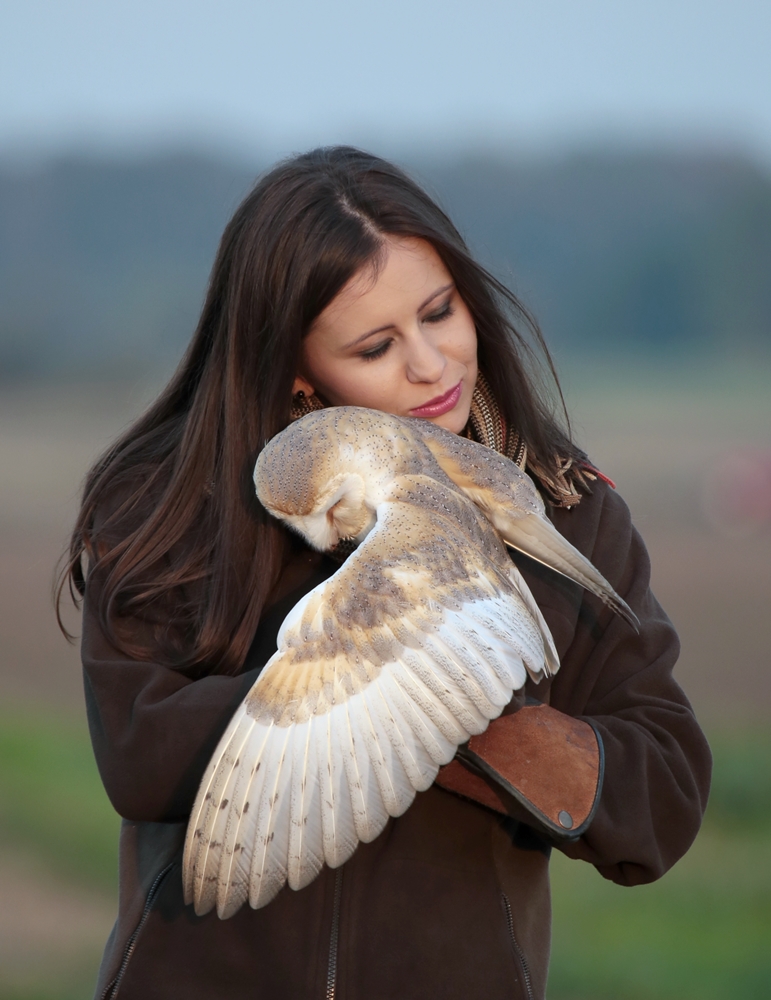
(538, 765)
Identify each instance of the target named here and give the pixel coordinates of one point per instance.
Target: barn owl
(414, 644)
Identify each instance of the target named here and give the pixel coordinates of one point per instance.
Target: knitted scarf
(488, 426)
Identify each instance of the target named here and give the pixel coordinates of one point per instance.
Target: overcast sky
(279, 75)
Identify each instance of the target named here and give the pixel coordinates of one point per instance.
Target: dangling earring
(302, 405)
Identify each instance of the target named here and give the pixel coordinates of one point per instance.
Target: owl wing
(412, 646)
(509, 499)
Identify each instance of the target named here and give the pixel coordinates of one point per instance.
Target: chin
(453, 421)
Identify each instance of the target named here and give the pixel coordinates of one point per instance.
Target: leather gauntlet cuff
(539, 765)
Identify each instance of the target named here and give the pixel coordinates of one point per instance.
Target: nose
(425, 361)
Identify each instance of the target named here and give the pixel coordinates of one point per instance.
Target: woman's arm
(657, 761)
(154, 729)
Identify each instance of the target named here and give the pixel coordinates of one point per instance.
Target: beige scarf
(488, 426)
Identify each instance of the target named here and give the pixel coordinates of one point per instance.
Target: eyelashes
(376, 352)
(445, 312)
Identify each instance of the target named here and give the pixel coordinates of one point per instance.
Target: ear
(301, 384)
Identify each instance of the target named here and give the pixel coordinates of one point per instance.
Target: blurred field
(701, 932)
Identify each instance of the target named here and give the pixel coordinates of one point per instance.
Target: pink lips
(442, 404)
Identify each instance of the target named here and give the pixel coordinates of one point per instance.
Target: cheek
(464, 337)
(470, 348)
(363, 386)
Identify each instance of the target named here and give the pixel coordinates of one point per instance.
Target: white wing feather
(280, 800)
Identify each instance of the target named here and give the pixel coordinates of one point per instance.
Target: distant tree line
(103, 264)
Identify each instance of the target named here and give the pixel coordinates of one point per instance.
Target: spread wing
(411, 647)
(509, 499)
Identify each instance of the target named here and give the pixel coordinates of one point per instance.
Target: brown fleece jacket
(452, 899)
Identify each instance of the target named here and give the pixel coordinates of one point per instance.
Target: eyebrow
(390, 326)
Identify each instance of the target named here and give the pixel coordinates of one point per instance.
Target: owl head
(315, 476)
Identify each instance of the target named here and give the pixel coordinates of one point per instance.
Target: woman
(339, 281)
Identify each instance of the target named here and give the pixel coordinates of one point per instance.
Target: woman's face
(401, 341)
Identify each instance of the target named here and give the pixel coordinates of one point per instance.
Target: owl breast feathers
(414, 644)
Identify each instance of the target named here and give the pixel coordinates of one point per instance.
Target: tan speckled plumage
(411, 647)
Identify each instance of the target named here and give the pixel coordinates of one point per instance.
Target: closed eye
(444, 313)
(376, 352)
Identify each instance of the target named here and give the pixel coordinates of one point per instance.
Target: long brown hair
(169, 521)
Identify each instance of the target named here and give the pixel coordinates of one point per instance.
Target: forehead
(399, 280)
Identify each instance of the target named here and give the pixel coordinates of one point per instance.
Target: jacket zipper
(111, 990)
(334, 938)
(517, 950)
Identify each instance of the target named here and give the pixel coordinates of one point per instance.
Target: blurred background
(611, 161)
